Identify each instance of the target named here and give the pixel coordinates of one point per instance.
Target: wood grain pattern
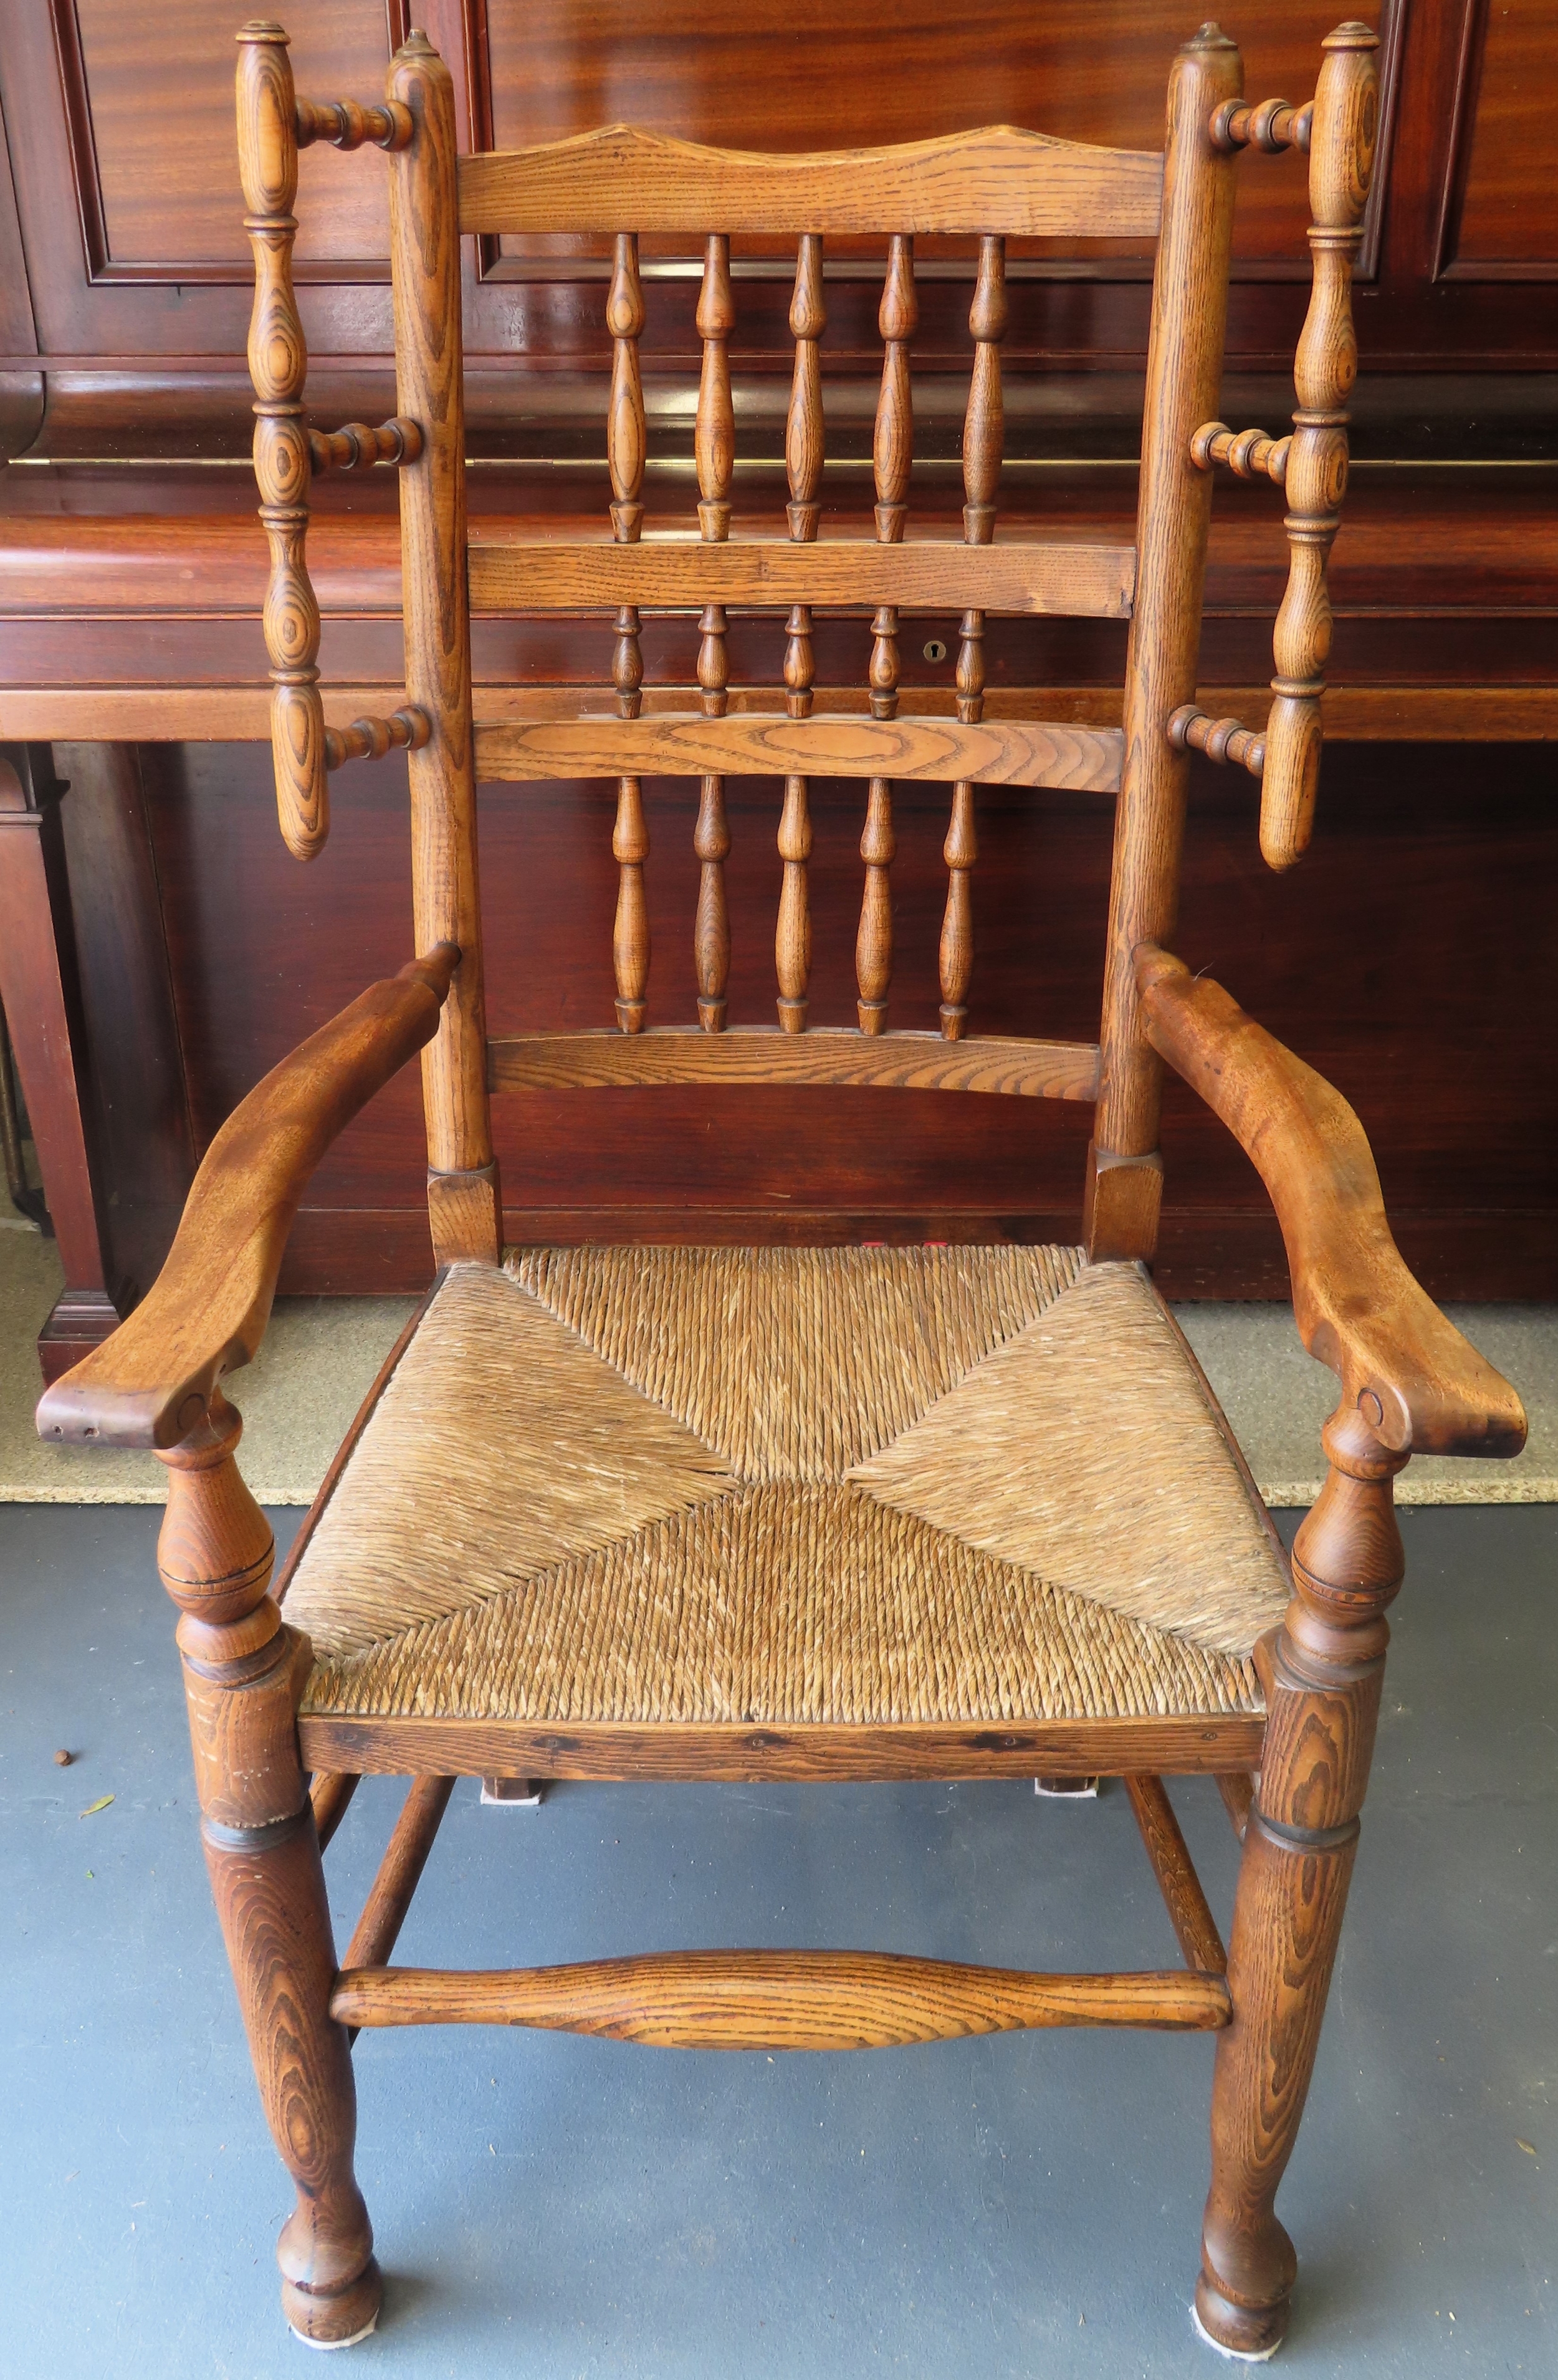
(737, 1753)
(446, 900)
(400, 1872)
(40, 991)
(1193, 1925)
(1358, 1308)
(331, 1796)
(275, 1922)
(1000, 179)
(998, 752)
(1032, 579)
(238, 713)
(1237, 1789)
(1500, 203)
(873, 939)
(1440, 1066)
(983, 429)
(791, 932)
(777, 1999)
(1189, 305)
(630, 934)
(358, 448)
(278, 360)
(714, 458)
(1347, 112)
(1288, 1920)
(1249, 454)
(1323, 1673)
(626, 434)
(350, 124)
(369, 739)
(1190, 730)
(805, 434)
(206, 1313)
(922, 1062)
(167, 290)
(892, 460)
(955, 955)
(244, 1673)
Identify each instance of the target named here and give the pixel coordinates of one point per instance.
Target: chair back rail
(764, 744)
(1022, 578)
(905, 1062)
(1000, 181)
(990, 185)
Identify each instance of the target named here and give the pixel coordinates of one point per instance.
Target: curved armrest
(1420, 1386)
(206, 1312)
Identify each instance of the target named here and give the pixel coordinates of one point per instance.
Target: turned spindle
(358, 448)
(1322, 1670)
(1249, 454)
(803, 462)
(891, 456)
(712, 840)
(244, 1674)
(983, 438)
(627, 444)
(345, 123)
(273, 124)
(803, 426)
(278, 359)
(984, 424)
(873, 942)
(626, 437)
(714, 452)
(1190, 730)
(892, 443)
(630, 935)
(715, 426)
(369, 739)
(961, 847)
(1341, 165)
(792, 940)
(1269, 123)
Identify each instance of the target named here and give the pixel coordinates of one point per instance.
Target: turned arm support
(150, 1382)
(1337, 133)
(274, 125)
(1421, 1387)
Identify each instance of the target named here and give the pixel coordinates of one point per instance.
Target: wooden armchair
(740, 1513)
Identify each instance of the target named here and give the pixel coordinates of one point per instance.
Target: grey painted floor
(1026, 2205)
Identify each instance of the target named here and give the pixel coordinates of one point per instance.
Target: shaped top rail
(1000, 180)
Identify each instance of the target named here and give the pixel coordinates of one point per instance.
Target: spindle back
(995, 183)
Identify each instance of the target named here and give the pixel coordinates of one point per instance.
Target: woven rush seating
(790, 1486)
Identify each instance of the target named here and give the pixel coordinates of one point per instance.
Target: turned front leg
(1324, 1680)
(244, 1670)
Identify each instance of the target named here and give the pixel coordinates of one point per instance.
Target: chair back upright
(991, 184)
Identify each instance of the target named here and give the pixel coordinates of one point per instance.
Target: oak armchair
(741, 1513)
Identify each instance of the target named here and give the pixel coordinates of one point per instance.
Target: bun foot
(334, 2317)
(1248, 2334)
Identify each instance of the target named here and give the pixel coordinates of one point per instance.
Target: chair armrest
(205, 1314)
(1420, 1386)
